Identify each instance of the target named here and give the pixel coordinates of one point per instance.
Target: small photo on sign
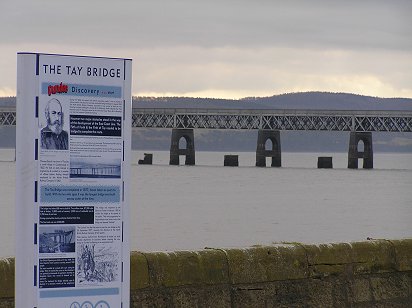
(57, 239)
(86, 167)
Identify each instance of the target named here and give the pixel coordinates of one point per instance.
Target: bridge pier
(354, 154)
(175, 151)
(261, 152)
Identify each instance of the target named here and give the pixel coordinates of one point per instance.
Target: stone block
(361, 290)
(171, 269)
(325, 162)
(403, 252)
(7, 302)
(231, 160)
(183, 296)
(147, 160)
(256, 295)
(6, 278)
(328, 259)
(391, 286)
(291, 293)
(267, 263)
(139, 271)
(209, 296)
(375, 256)
(329, 292)
(150, 297)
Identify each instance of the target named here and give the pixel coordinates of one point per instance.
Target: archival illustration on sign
(97, 263)
(53, 136)
(57, 239)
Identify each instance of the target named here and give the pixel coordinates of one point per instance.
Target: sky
(223, 48)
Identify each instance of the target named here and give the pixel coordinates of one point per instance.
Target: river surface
(208, 205)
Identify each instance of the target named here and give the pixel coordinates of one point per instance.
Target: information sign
(72, 171)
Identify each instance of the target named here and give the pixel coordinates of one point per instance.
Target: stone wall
(362, 274)
(7, 283)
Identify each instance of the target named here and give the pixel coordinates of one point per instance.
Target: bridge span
(278, 119)
(7, 116)
(268, 122)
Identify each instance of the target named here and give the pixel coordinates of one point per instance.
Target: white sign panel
(73, 157)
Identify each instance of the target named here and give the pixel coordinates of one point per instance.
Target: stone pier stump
(231, 160)
(354, 154)
(175, 151)
(261, 152)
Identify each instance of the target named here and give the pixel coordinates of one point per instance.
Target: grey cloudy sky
(224, 48)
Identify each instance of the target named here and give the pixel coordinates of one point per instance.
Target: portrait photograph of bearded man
(53, 137)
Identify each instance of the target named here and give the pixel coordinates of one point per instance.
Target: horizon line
(176, 95)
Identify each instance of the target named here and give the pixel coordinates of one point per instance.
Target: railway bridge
(269, 123)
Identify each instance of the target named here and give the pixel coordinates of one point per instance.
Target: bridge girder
(314, 120)
(276, 120)
(7, 118)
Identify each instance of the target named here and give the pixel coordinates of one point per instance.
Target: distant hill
(217, 140)
(8, 101)
(303, 100)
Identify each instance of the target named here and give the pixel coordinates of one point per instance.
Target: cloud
(214, 23)
(224, 48)
(4, 91)
(234, 72)
(266, 71)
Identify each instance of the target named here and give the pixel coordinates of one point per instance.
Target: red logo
(58, 88)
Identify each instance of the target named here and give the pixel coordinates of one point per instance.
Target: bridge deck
(277, 119)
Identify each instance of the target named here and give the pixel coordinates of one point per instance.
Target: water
(208, 205)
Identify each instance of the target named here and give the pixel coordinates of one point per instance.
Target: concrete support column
(175, 151)
(354, 154)
(261, 152)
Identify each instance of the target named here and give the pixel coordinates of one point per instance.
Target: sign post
(72, 181)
